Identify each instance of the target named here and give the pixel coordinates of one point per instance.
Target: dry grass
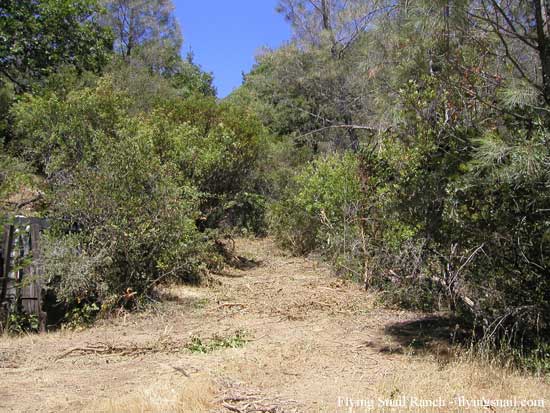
(429, 380)
(313, 339)
(180, 396)
(412, 378)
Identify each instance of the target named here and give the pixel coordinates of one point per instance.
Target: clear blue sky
(225, 35)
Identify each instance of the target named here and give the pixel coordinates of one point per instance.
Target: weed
(19, 323)
(200, 303)
(204, 346)
(536, 360)
(83, 316)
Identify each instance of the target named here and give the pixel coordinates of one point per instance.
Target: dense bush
(133, 217)
(127, 187)
(15, 176)
(56, 132)
(216, 146)
(500, 207)
(221, 153)
(320, 211)
(458, 217)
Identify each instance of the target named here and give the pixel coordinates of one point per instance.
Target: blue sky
(226, 35)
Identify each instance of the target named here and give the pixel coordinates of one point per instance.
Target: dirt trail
(304, 339)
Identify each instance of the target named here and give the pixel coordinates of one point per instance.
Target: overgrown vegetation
(427, 125)
(312, 215)
(136, 164)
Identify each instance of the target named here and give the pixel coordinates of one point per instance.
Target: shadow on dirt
(426, 332)
(436, 335)
(189, 302)
(243, 263)
(227, 249)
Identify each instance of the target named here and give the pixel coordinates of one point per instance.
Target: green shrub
(458, 219)
(216, 145)
(247, 212)
(500, 207)
(202, 346)
(81, 315)
(320, 211)
(15, 175)
(56, 132)
(69, 269)
(136, 220)
(19, 323)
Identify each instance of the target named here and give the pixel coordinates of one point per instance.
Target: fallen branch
(28, 202)
(241, 400)
(232, 408)
(102, 348)
(224, 305)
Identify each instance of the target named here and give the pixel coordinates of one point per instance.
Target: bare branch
(347, 127)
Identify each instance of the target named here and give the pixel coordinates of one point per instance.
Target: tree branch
(13, 80)
(347, 127)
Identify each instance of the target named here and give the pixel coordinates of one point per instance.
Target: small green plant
(200, 303)
(247, 211)
(537, 360)
(81, 316)
(19, 323)
(205, 346)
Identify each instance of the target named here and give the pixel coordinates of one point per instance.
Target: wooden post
(36, 273)
(4, 273)
(7, 247)
(24, 289)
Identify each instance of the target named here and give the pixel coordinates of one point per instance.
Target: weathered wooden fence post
(21, 287)
(7, 243)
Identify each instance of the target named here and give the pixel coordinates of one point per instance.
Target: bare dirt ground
(304, 341)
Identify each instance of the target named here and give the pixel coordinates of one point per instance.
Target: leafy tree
(189, 79)
(149, 40)
(522, 30)
(146, 32)
(37, 37)
(319, 79)
(336, 22)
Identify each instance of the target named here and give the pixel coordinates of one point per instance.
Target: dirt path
(303, 341)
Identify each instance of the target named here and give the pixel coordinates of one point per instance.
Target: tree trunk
(326, 15)
(325, 11)
(542, 11)
(131, 29)
(352, 133)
